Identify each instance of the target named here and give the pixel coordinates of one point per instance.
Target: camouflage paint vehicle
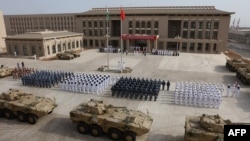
(234, 64)
(205, 128)
(74, 53)
(119, 122)
(4, 72)
(243, 74)
(64, 56)
(26, 107)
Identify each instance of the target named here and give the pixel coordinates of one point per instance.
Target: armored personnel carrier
(234, 64)
(119, 122)
(205, 128)
(74, 53)
(243, 74)
(4, 72)
(26, 107)
(64, 56)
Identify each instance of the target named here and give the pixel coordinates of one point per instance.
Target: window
(101, 32)
(90, 24)
(199, 35)
(130, 31)
(69, 45)
(54, 49)
(149, 32)
(192, 34)
(95, 23)
(184, 34)
(83, 24)
(95, 32)
(90, 33)
(137, 25)
(59, 48)
(90, 43)
(143, 25)
(142, 31)
(137, 32)
(185, 24)
(216, 25)
(25, 50)
(156, 24)
(77, 44)
(208, 25)
(10, 51)
(33, 50)
(148, 24)
(130, 24)
(155, 32)
(73, 44)
(193, 24)
(200, 25)
(101, 24)
(207, 35)
(96, 43)
(215, 35)
(16, 49)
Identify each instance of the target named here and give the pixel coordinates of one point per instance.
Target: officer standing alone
(168, 85)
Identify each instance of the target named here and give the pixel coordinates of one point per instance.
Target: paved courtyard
(168, 118)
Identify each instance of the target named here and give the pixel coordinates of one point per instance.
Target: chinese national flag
(122, 14)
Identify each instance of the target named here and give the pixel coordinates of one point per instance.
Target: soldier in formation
(86, 83)
(19, 73)
(137, 88)
(198, 94)
(44, 78)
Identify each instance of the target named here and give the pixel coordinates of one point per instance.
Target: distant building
(241, 35)
(43, 44)
(2, 33)
(19, 24)
(199, 29)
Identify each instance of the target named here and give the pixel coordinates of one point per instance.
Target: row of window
(94, 24)
(143, 24)
(59, 48)
(199, 35)
(200, 24)
(40, 18)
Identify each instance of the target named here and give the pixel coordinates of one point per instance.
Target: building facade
(202, 29)
(19, 24)
(199, 29)
(2, 32)
(241, 35)
(43, 44)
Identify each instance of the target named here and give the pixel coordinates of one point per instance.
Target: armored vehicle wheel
(82, 128)
(115, 134)
(8, 114)
(21, 116)
(129, 136)
(95, 130)
(31, 118)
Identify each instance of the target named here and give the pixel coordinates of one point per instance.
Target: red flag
(122, 14)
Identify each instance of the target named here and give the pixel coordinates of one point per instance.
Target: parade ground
(169, 118)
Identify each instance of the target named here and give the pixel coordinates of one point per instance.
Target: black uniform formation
(45, 78)
(136, 88)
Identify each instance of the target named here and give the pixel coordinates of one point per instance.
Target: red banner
(138, 37)
(122, 14)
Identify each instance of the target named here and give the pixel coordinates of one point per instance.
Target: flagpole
(121, 42)
(107, 36)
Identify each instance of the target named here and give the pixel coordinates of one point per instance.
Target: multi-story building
(43, 44)
(188, 29)
(201, 29)
(19, 24)
(241, 35)
(2, 32)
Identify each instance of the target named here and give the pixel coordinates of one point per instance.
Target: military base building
(2, 33)
(43, 44)
(199, 29)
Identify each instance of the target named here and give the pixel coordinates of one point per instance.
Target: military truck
(74, 53)
(243, 74)
(64, 56)
(119, 123)
(24, 106)
(4, 72)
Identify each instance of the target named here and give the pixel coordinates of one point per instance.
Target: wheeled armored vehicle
(24, 106)
(119, 123)
(64, 56)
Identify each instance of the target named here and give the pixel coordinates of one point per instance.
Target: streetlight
(178, 38)
(107, 43)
